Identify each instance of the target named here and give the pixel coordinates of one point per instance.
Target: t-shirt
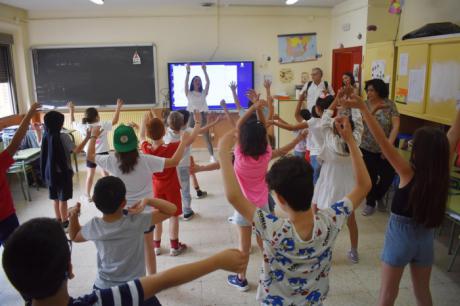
(315, 136)
(384, 117)
(128, 294)
(171, 136)
(6, 199)
(302, 145)
(168, 178)
(250, 173)
(102, 143)
(294, 271)
(314, 92)
(197, 101)
(69, 146)
(120, 248)
(139, 181)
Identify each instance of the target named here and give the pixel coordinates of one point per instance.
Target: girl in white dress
(196, 97)
(336, 178)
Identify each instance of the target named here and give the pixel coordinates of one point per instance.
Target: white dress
(336, 179)
(197, 101)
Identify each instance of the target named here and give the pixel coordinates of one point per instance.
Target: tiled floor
(209, 232)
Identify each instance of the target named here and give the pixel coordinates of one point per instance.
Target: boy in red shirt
(8, 219)
(166, 184)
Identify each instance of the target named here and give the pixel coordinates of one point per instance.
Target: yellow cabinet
(379, 52)
(444, 82)
(416, 65)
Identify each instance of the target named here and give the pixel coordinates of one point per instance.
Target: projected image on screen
(220, 76)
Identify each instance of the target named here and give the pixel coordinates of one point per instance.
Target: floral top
(384, 117)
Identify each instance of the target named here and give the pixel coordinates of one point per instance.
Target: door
(346, 60)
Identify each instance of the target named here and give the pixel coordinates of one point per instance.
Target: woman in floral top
(380, 170)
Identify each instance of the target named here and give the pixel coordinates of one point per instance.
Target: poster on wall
(297, 48)
(416, 90)
(403, 63)
(378, 69)
(286, 75)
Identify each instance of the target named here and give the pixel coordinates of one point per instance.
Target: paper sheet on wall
(416, 85)
(444, 81)
(403, 63)
(378, 69)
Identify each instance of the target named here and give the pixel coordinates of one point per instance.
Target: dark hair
(109, 194)
(253, 138)
(352, 78)
(430, 161)
(352, 125)
(379, 86)
(155, 128)
(305, 114)
(292, 178)
(127, 160)
(186, 115)
(90, 115)
(36, 258)
(192, 87)
(322, 104)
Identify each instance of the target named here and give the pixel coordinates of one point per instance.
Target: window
(8, 101)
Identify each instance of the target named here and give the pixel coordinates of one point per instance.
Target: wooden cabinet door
(417, 61)
(444, 82)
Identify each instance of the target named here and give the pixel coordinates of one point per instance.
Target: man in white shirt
(316, 87)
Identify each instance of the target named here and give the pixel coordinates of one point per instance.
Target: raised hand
(252, 95)
(134, 125)
(267, 84)
(354, 101)
(137, 208)
(223, 104)
(71, 106)
(74, 211)
(187, 67)
(302, 96)
(343, 126)
(120, 103)
(233, 85)
(231, 260)
(203, 66)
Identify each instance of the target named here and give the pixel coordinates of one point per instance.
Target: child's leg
(157, 232)
(196, 186)
(104, 173)
(57, 211)
(421, 284)
(174, 228)
(389, 286)
(89, 178)
(184, 178)
(63, 210)
(150, 260)
(245, 245)
(353, 230)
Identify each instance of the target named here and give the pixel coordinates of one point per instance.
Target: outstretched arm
(290, 127)
(206, 77)
(196, 129)
(175, 159)
(287, 148)
(116, 116)
(22, 130)
(233, 87)
(163, 209)
(232, 188)
(210, 125)
(71, 108)
(229, 260)
(298, 108)
(187, 67)
(74, 224)
(227, 114)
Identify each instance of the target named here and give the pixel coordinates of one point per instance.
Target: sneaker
(353, 256)
(188, 216)
(65, 226)
(368, 211)
(235, 281)
(175, 252)
(212, 159)
(200, 194)
(157, 251)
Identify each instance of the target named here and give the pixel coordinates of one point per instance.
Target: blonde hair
(175, 121)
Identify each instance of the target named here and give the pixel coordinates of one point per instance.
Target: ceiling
(47, 5)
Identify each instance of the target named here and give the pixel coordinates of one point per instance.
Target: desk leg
(24, 172)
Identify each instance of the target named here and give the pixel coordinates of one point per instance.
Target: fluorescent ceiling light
(288, 2)
(98, 2)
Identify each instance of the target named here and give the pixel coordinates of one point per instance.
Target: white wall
(13, 21)
(354, 13)
(194, 35)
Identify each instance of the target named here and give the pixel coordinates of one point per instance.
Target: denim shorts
(238, 219)
(407, 242)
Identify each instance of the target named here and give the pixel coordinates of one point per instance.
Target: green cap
(124, 139)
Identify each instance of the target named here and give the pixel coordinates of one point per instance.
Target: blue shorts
(7, 227)
(407, 242)
(238, 219)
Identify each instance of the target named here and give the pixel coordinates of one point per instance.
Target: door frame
(352, 50)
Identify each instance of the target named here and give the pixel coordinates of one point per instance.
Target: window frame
(11, 76)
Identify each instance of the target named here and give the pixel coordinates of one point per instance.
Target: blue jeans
(184, 179)
(316, 167)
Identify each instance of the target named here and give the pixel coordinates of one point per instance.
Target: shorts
(64, 191)
(407, 242)
(238, 219)
(172, 195)
(7, 227)
(90, 164)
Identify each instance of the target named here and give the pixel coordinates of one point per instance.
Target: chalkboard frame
(101, 107)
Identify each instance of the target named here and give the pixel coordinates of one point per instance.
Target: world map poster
(297, 47)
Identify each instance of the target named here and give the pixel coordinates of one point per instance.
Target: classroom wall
(14, 21)
(195, 34)
(353, 12)
(417, 13)
(387, 24)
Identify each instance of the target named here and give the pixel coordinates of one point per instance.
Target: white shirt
(302, 145)
(171, 136)
(314, 137)
(295, 271)
(139, 181)
(314, 92)
(197, 101)
(102, 143)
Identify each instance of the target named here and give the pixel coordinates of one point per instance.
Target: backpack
(310, 82)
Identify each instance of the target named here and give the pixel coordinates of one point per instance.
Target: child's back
(293, 267)
(120, 248)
